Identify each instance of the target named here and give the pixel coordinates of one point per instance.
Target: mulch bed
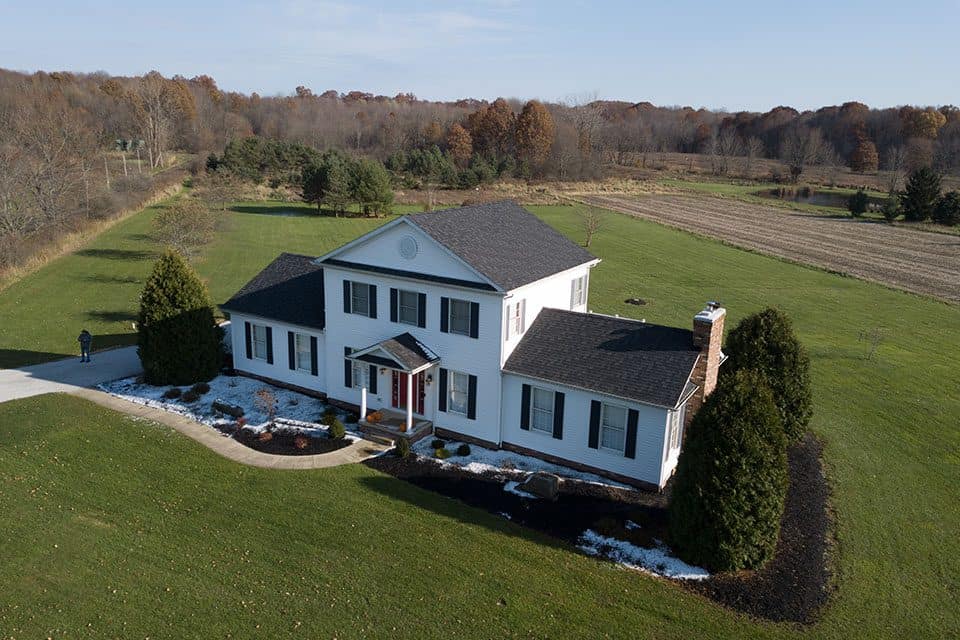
(283, 443)
(792, 587)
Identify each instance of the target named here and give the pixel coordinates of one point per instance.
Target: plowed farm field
(918, 261)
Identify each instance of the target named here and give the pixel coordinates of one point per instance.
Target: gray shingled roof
(638, 361)
(503, 241)
(408, 352)
(289, 289)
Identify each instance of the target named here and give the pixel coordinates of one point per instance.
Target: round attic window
(409, 247)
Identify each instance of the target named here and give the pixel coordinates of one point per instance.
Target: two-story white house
(472, 324)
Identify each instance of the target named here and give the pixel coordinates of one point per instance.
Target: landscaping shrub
(329, 415)
(336, 430)
(200, 388)
(857, 203)
(190, 396)
(766, 343)
(441, 453)
(437, 443)
(463, 450)
(172, 394)
(301, 442)
(352, 418)
(178, 340)
(402, 448)
(728, 494)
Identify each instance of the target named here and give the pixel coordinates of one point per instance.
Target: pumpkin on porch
(374, 416)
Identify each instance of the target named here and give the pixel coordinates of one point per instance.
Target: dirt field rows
(922, 262)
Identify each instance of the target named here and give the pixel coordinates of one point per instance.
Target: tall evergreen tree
(766, 343)
(370, 186)
(326, 181)
(178, 340)
(731, 483)
(919, 200)
(947, 210)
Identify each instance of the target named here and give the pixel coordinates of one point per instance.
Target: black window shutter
(474, 319)
(269, 345)
(393, 304)
(347, 369)
(247, 331)
(442, 404)
(314, 365)
(594, 442)
(372, 388)
(373, 301)
(291, 350)
(631, 449)
(422, 310)
(346, 296)
(472, 397)
(444, 315)
(558, 415)
(525, 408)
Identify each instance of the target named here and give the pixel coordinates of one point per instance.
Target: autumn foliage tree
(459, 144)
(864, 157)
(491, 128)
(535, 131)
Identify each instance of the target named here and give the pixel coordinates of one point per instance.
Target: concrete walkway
(229, 448)
(72, 376)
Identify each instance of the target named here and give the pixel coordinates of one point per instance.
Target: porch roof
(403, 352)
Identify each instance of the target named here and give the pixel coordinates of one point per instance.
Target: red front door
(400, 391)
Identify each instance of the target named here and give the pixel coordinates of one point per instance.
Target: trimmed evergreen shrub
(441, 453)
(178, 340)
(172, 394)
(200, 388)
(437, 443)
(402, 448)
(336, 430)
(766, 343)
(190, 396)
(463, 450)
(731, 483)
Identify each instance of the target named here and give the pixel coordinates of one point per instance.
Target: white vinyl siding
(259, 335)
(302, 349)
(408, 307)
(458, 392)
(459, 317)
(541, 410)
(360, 298)
(613, 428)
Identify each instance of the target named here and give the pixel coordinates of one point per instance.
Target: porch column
(363, 403)
(409, 402)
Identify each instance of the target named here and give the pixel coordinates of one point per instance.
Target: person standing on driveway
(85, 339)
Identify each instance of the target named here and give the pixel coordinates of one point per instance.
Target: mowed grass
(235, 535)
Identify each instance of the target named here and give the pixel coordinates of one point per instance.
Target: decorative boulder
(542, 484)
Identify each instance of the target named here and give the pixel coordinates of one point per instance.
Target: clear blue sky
(736, 55)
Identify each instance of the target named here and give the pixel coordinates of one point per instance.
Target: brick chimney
(707, 336)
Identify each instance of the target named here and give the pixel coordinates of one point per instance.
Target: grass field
(348, 552)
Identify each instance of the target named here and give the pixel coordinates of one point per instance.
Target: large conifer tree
(178, 339)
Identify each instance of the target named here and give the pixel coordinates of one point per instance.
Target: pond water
(808, 195)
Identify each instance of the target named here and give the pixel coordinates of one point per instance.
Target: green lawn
(348, 552)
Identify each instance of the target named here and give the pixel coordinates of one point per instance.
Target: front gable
(401, 246)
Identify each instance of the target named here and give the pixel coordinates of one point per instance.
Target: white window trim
(450, 306)
(353, 309)
(534, 410)
(603, 415)
(306, 367)
(254, 342)
(452, 376)
(416, 307)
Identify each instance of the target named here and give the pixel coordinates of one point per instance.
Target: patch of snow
(295, 411)
(657, 561)
(505, 515)
(630, 525)
(514, 488)
(482, 460)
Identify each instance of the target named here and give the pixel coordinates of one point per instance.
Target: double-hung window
(613, 428)
(360, 298)
(676, 427)
(578, 292)
(459, 317)
(541, 410)
(516, 318)
(458, 389)
(301, 343)
(408, 307)
(258, 333)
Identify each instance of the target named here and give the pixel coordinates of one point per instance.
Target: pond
(809, 195)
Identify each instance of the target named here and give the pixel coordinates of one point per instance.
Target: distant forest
(66, 139)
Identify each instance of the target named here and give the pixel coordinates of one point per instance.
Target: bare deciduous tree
(591, 218)
(185, 225)
(801, 147)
